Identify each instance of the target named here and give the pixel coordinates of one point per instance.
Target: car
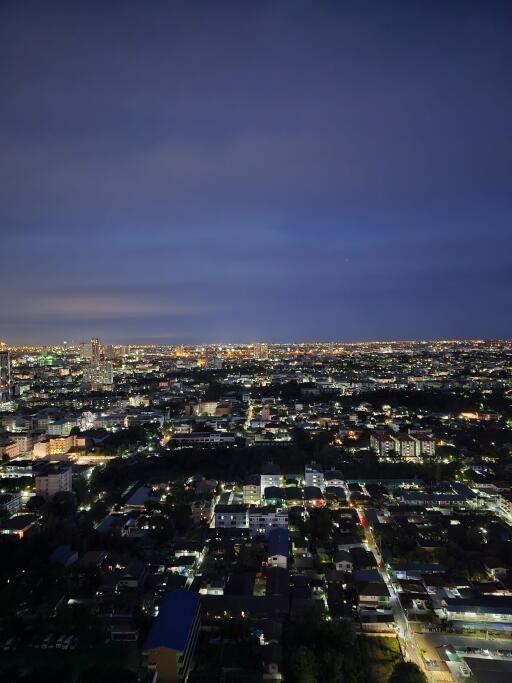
(65, 645)
(8, 644)
(60, 640)
(48, 641)
(35, 641)
(11, 644)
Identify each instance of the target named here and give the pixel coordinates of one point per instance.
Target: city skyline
(4, 345)
(255, 348)
(212, 171)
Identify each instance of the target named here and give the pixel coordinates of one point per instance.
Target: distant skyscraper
(261, 351)
(92, 350)
(99, 376)
(95, 350)
(212, 360)
(5, 376)
(85, 351)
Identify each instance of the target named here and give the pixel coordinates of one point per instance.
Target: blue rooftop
(175, 617)
(63, 554)
(139, 497)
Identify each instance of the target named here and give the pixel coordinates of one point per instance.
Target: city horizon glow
(255, 348)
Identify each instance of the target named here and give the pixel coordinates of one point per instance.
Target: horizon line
(476, 340)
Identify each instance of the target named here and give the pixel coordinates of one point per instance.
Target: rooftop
(175, 617)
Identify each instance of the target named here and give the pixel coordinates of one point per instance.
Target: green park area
(380, 655)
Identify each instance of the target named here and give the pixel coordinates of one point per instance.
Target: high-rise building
(212, 360)
(99, 376)
(5, 376)
(91, 350)
(261, 351)
(85, 351)
(95, 350)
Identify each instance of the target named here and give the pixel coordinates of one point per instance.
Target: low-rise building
(10, 502)
(334, 478)
(172, 639)
(482, 613)
(404, 446)
(52, 479)
(252, 491)
(382, 444)
(314, 476)
(204, 439)
(374, 594)
(231, 516)
(342, 560)
(18, 525)
(270, 476)
(263, 519)
(278, 548)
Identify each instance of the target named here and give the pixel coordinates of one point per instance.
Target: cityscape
(257, 512)
(255, 341)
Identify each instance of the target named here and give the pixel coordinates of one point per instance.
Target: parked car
(10, 644)
(34, 642)
(48, 641)
(66, 642)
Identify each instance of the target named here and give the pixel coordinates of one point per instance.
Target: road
(406, 636)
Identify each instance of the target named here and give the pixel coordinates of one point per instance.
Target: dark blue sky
(233, 171)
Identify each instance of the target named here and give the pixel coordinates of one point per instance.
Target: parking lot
(490, 670)
(48, 642)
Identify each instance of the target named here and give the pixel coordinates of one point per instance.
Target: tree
(9, 675)
(407, 672)
(63, 504)
(35, 503)
(81, 489)
(331, 666)
(107, 674)
(301, 666)
(48, 673)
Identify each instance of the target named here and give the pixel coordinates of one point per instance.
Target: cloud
(96, 306)
(228, 170)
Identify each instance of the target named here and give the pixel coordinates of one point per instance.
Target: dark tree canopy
(407, 672)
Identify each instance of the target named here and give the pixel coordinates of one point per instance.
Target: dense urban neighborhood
(308, 513)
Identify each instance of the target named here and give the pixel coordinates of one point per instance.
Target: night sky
(220, 171)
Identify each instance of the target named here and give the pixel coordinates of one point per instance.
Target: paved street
(407, 638)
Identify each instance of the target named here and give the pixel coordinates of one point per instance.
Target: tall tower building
(95, 350)
(212, 360)
(99, 376)
(5, 376)
(261, 351)
(85, 351)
